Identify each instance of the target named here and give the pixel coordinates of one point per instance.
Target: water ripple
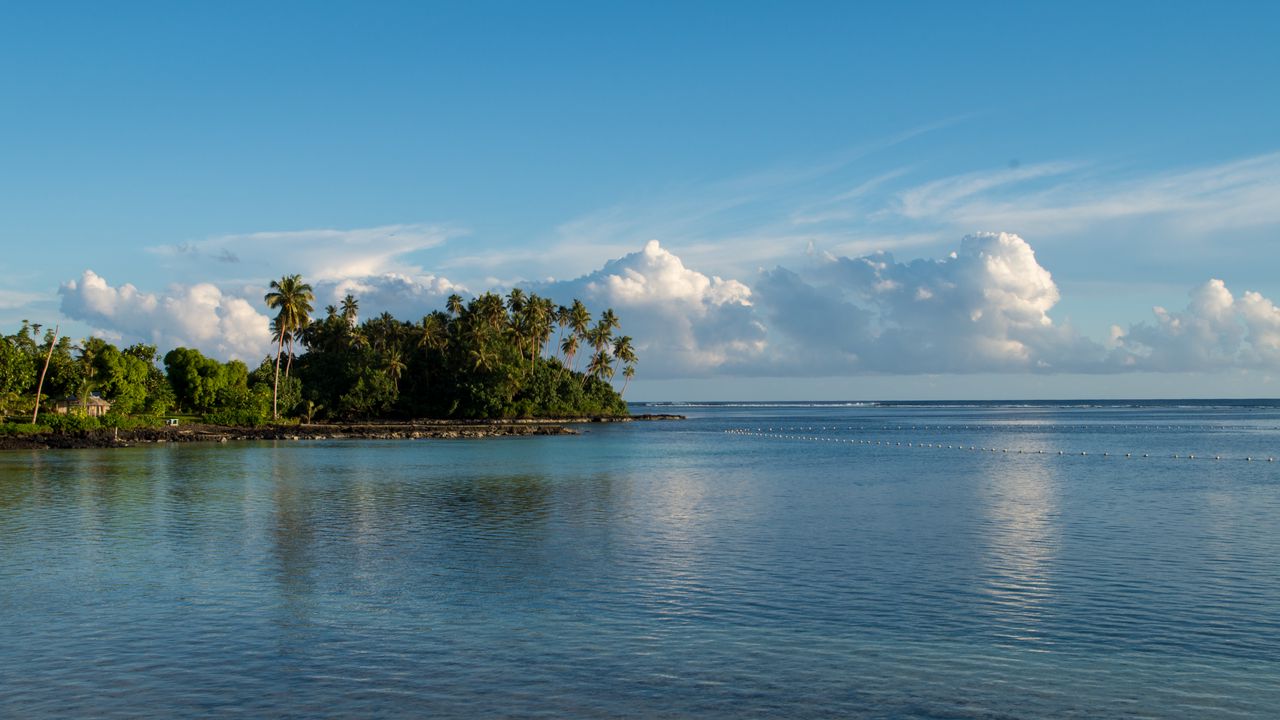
(664, 570)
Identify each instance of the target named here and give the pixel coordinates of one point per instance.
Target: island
(490, 365)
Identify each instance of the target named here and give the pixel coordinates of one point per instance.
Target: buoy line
(779, 435)
(1021, 428)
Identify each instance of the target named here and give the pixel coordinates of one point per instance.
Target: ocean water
(979, 560)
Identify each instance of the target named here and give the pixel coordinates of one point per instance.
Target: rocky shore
(407, 430)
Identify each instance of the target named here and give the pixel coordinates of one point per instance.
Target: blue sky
(191, 153)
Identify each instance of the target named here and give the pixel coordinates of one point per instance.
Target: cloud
(199, 315)
(684, 322)
(986, 307)
(983, 308)
(1055, 199)
(14, 299)
(404, 296)
(323, 254)
(940, 196)
(1216, 331)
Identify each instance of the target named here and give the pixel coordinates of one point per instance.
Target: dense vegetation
(490, 357)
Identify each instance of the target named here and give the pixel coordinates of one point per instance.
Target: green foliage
(114, 419)
(12, 429)
(487, 358)
(72, 422)
(241, 418)
(202, 385)
(17, 367)
(122, 378)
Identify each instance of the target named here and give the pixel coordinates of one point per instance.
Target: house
(93, 406)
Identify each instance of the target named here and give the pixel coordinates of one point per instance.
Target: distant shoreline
(402, 430)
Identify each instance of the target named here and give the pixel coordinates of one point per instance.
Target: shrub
(129, 422)
(71, 422)
(242, 417)
(22, 429)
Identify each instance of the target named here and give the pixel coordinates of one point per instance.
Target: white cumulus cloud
(982, 308)
(404, 296)
(199, 315)
(986, 307)
(1216, 331)
(683, 321)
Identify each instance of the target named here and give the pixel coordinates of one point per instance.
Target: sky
(792, 200)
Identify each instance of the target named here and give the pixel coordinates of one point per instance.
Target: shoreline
(386, 430)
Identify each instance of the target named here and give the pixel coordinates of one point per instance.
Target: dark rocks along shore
(406, 430)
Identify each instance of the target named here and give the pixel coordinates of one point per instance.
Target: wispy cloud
(320, 254)
(14, 299)
(1072, 197)
(941, 196)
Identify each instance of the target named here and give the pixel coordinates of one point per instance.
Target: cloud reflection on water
(1022, 539)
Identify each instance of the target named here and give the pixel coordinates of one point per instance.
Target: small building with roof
(93, 406)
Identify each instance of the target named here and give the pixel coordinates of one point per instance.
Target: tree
(40, 385)
(393, 365)
(601, 366)
(628, 372)
(350, 310)
(291, 298)
(196, 380)
(569, 346)
(624, 353)
(17, 368)
(579, 320)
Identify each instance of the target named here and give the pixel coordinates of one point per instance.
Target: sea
(1092, 559)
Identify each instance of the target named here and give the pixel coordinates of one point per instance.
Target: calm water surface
(753, 561)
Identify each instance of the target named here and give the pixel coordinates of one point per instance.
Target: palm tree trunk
(40, 386)
(275, 387)
(288, 364)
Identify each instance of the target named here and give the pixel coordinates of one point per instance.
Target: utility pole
(40, 386)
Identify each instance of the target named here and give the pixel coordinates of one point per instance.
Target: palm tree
(601, 367)
(350, 309)
(579, 319)
(53, 339)
(624, 353)
(296, 335)
(292, 299)
(562, 321)
(546, 325)
(628, 372)
(569, 346)
(516, 301)
(393, 365)
(330, 312)
(431, 334)
(454, 304)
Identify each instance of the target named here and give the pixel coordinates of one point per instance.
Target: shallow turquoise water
(751, 561)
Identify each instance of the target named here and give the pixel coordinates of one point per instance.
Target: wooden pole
(40, 386)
